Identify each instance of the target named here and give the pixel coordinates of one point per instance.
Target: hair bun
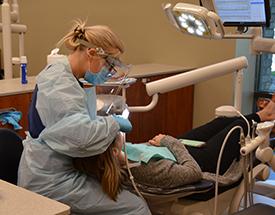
(79, 32)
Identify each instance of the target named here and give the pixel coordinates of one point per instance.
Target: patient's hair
(105, 167)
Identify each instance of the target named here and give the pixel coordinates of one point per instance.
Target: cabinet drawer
(21, 103)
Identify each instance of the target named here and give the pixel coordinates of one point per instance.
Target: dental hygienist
(63, 125)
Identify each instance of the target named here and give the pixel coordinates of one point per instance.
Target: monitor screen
(243, 12)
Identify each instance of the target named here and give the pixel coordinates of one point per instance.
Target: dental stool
(10, 153)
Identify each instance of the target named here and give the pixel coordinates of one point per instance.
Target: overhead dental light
(203, 22)
(195, 20)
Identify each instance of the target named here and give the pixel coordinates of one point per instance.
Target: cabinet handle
(145, 80)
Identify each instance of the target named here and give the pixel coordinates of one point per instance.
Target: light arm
(195, 76)
(260, 44)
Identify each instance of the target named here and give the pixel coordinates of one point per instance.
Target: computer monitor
(241, 12)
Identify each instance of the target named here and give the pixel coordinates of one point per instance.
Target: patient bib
(143, 152)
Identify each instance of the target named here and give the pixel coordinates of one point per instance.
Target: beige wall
(147, 35)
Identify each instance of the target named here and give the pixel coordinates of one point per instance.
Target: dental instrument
(121, 83)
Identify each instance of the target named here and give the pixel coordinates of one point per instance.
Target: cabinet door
(173, 114)
(21, 103)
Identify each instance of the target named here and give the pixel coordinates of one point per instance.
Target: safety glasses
(115, 66)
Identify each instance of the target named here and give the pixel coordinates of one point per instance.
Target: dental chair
(163, 201)
(198, 198)
(183, 201)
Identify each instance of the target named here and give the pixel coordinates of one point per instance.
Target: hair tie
(79, 32)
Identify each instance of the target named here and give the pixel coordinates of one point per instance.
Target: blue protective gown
(72, 129)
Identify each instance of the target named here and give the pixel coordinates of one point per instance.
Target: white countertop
(19, 201)
(152, 69)
(14, 86)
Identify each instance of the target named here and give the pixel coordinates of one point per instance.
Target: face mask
(97, 78)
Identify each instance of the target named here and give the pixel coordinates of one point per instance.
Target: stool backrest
(10, 153)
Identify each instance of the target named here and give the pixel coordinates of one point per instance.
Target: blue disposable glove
(124, 124)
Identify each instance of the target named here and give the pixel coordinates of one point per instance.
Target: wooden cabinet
(173, 114)
(21, 103)
(13, 94)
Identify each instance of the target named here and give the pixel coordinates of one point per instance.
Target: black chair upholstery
(257, 209)
(161, 194)
(205, 196)
(10, 153)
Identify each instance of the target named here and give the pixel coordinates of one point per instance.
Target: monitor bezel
(243, 24)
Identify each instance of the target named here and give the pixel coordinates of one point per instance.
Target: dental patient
(105, 167)
(192, 163)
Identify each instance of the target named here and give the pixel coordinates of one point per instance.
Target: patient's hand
(156, 140)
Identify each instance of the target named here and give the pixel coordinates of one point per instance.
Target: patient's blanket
(144, 152)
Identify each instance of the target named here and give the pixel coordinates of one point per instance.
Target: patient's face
(119, 141)
(118, 144)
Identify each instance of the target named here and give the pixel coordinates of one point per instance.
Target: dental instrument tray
(110, 104)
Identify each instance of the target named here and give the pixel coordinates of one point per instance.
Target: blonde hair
(98, 35)
(105, 167)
